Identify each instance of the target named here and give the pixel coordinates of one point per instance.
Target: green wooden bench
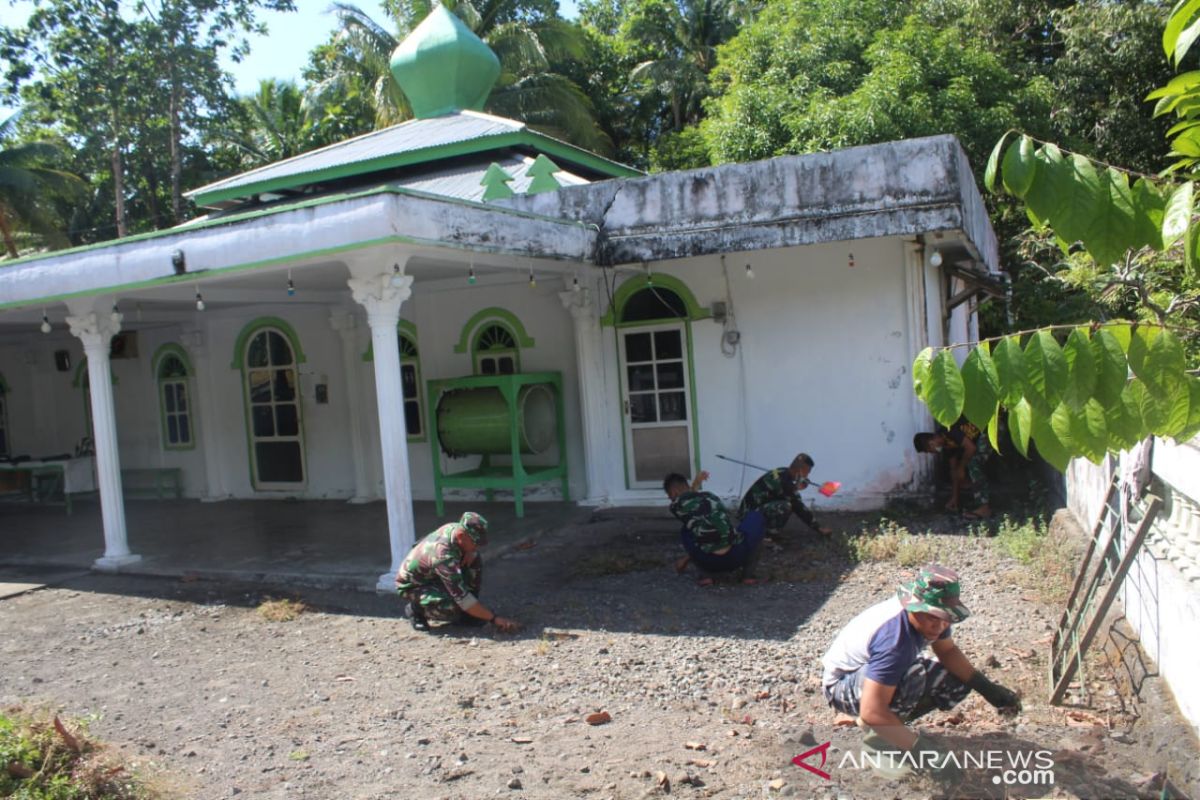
(157, 482)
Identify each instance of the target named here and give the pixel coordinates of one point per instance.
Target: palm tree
(684, 35)
(29, 192)
(273, 124)
(528, 88)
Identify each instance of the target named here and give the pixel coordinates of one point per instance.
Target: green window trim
(172, 350)
(511, 349)
(81, 374)
(266, 325)
(466, 339)
(637, 283)
(413, 360)
(253, 327)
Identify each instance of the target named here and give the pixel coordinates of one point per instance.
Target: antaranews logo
(1011, 767)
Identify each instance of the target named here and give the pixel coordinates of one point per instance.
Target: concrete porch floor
(309, 542)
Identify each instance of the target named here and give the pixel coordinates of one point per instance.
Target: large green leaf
(1049, 446)
(1193, 424)
(1085, 197)
(989, 172)
(1089, 431)
(1010, 370)
(1111, 229)
(1112, 369)
(1051, 187)
(1081, 369)
(1181, 17)
(1177, 214)
(1191, 249)
(946, 393)
(921, 367)
(1149, 206)
(993, 429)
(1020, 166)
(1149, 410)
(982, 385)
(1176, 401)
(1019, 423)
(1139, 347)
(1164, 362)
(1045, 372)
(1122, 332)
(1124, 421)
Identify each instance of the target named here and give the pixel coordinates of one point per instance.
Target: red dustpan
(828, 488)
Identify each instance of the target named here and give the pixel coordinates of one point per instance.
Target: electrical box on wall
(719, 310)
(62, 360)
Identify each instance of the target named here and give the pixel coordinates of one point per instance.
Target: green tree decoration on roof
(495, 182)
(542, 171)
(1086, 391)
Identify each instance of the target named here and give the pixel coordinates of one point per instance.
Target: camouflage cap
(476, 525)
(935, 591)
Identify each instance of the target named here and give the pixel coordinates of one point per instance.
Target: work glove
(999, 696)
(935, 761)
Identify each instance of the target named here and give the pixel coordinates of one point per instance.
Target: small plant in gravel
(891, 541)
(1048, 554)
(282, 610)
(42, 759)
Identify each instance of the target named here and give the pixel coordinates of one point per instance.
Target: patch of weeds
(46, 759)
(614, 564)
(1049, 555)
(282, 610)
(891, 541)
(298, 755)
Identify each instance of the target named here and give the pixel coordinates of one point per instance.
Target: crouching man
(710, 535)
(875, 672)
(442, 575)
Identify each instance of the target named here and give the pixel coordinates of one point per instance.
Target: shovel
(828, 488)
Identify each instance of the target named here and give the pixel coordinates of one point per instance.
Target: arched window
(410, 384)
(268, 354)
(495, 350)
(5, 447)
(173, 374)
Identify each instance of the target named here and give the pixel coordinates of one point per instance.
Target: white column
(96, 329)
(345, 323)
(382, 295)
(589, 364)
(205, 415)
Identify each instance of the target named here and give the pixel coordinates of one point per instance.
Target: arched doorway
(269, 357)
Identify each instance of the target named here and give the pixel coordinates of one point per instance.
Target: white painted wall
(826, 356)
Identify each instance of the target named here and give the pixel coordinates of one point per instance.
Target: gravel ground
(711, 692)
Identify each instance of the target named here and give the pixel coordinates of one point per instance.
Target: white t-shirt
(881, 639)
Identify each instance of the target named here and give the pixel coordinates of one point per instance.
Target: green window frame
(5, 444)
(173, 374)
(494, 350)
(410, 386)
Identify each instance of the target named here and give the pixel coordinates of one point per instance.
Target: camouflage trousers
(436, 602)
(776, 513)
(977, 474)
(925, 686)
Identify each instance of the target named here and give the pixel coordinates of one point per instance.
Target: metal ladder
(1104, 562)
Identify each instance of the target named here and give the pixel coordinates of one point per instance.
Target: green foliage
(891, 541)
(1086, 398)
(30, 188)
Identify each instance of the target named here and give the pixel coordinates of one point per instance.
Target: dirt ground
(711, 691)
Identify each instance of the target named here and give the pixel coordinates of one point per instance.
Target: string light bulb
(936, 258)
(291, 290)
(532, 277)
(575, 287)
(45, 322)
(749, 272)
(199, 300)
(649, 274)
(115, 316)
(850, 261)
(471, 274)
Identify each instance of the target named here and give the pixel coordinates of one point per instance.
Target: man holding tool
(777, 495)
(709, 535)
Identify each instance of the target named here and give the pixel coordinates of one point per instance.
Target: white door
(657, 403)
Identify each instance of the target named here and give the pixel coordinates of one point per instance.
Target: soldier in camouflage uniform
(709, 534)
(442, 575)
(967, 453)
(777, 495)
(874, 669)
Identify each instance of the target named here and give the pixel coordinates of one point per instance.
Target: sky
(283, 52)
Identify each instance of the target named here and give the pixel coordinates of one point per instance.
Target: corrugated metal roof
(419, 143)
(416, 134)
(463, 181)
